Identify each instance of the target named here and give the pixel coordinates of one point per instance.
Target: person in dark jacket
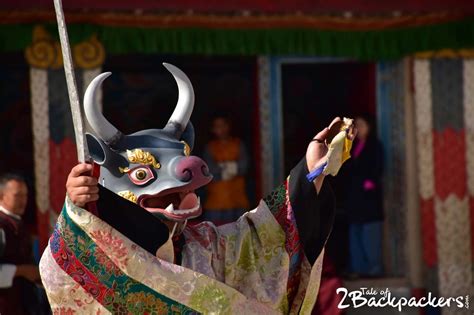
(365, 208)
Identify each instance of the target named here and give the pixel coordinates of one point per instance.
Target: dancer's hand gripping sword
(83, 155)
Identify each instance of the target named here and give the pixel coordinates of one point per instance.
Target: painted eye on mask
(140, 175)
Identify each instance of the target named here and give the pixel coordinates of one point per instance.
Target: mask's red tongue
(188, 202)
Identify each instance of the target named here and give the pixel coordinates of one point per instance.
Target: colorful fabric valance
(379, 44)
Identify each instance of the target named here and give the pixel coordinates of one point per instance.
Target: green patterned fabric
(276, 199)
(124, 294)
(362, 45)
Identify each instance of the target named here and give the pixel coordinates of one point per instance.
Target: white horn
(184, 108)
(102, 127)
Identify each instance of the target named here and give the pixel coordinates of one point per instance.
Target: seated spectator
(19, 293)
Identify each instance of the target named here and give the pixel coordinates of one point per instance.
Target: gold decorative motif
(446, 53)
(139, 156)
(123, 170)
(187, 148)
(89, 54)
(127, 194)
(45, 52)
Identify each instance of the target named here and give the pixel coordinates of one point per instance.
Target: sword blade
(81, 144)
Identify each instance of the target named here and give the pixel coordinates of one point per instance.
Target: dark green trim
(364, 45)
(15, 37)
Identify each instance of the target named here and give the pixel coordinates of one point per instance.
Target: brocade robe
(267, 262)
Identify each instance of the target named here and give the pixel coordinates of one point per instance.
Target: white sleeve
(7, 273)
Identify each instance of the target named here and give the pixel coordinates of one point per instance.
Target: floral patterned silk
(255, 265)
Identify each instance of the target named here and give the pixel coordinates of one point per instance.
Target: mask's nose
(193, 169)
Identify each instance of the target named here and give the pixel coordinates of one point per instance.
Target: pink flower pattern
(115, 244)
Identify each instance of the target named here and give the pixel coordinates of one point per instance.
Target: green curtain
(362, 45)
